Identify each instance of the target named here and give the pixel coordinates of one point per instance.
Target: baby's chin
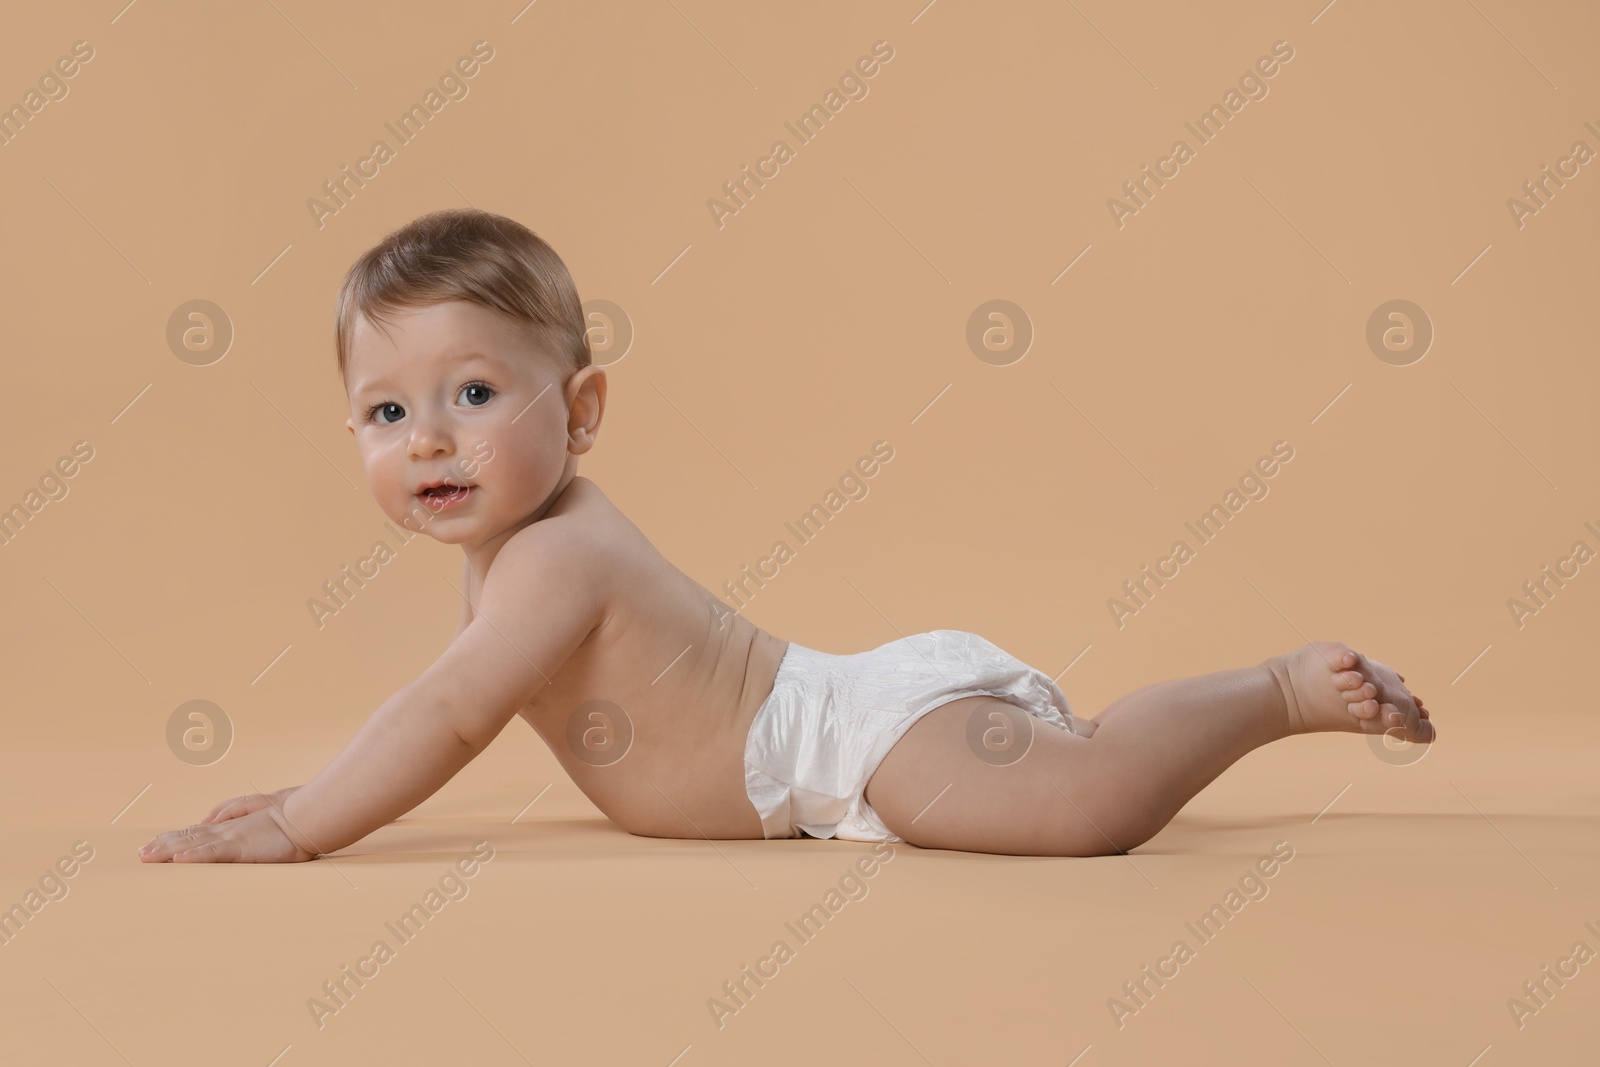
(452, 533)
(445, 530)
(464, 537)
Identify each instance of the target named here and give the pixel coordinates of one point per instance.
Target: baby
(465, 354)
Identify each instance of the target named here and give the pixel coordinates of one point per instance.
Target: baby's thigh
(981, 774)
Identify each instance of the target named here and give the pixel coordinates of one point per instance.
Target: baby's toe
(1419, 729)
(1364, 691)
(1409, 722)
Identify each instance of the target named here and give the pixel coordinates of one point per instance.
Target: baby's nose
(428, 441)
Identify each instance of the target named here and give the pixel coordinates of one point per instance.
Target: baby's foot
(1327, 685)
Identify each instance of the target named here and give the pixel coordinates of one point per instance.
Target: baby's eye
(477, 388)
(389, 408)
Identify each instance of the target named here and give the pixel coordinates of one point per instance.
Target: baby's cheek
(389, 490)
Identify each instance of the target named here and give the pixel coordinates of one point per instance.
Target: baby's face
(454, 392)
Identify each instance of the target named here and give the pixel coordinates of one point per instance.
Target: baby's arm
(539, 603)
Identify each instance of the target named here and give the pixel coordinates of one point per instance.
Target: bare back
(669, 677)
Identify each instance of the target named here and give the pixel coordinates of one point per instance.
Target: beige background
(829, 313)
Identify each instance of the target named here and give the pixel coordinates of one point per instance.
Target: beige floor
(751, 360)
(1414, 906)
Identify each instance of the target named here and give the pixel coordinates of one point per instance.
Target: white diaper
(830, 720)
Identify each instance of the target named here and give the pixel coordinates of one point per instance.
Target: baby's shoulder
(566, 542)
(583, 536)
(548, 566)
(583, 520)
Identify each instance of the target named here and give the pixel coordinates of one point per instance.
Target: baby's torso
(650, 714)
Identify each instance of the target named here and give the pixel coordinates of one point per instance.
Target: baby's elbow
(476, 725)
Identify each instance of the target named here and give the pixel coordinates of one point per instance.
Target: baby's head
(463, 350)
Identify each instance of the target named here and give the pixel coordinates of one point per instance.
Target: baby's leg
(1087, 727)
(1112, 791)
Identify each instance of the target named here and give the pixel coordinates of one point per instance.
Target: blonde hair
(466, 254)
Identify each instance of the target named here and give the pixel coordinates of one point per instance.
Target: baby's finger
(217, 812)
(232, 809)
(163, 846)
(217, 850)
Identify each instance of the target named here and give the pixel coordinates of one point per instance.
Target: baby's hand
(252, 838)
(232, 809)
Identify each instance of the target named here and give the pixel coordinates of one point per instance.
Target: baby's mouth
(441, 497)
